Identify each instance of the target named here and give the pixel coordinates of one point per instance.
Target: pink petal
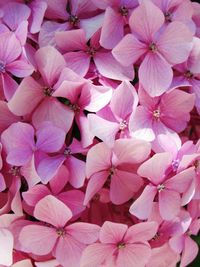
(69, 41)
(130, 151)
(95, 183)
(85, 233)
(155, 167)
(10, 47)
(6, 247)
(103, 129)
(50, 138)
(134, 255)
(25, 100)
(181, 181)
(34, 194)
(124, 100)
(175, 43)
(38, 239)
(128, 50)
(78, 61)
(76, 169)
(56, 10)
(53, 211)
(20, 68)
(98, 159)
(38, 9)
(60, 180)
(142, 206)
(123, 186)
(52, 110)
(155, 74)
(50, 64)
(9, 86)
(68, 251)
(146, 20)
(19, 156)
(96, 255)
(112, 28)
(140, 124)
(6, 117)
(141, 232)
(190, 252)
(22, 31)
(112, 233)
(169, 204)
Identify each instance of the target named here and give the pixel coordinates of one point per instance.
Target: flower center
(15, 171)
(156, 114)
(123, 11)
(73, 20)
(188, 74)
(153, 47)
(160, 187)
(67, 151)
(61, 232)
(91, 51)
(175, 164)
(121, 245)
(48, 91)
(112, 171)
(75, 107)
(123, 125)
(168, 16)
(2, 67)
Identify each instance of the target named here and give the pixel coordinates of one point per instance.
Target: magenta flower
(158, 48)
(168, 189)
(120, 246)
(66, 242)
(103, 163)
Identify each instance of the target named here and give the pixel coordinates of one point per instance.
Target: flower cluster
(99, 128)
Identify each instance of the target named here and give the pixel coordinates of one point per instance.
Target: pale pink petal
(123, 186)
(6, 247)
(9, 86)
(38, 9)
(155, 167)
(98, 159)
(10, 47)
(50, 138)
(95, 183)
(52, 110)
(124, 100)
(23, 263)
(177, 243)
(103, 129)
(134, 255)
(169, 204)
(155, 74)
(69, 41)
(140, 124)
(20, 68)
(91, 25)
(175, 43)
(96, 255)
(38, 239)
(112, 28)
(128, 50)
(181, 181)
(190, 252)
(142, 206)
(141, 232)
(130, 151)
(53, 211)
(25, 99)
(19, 156)
(112, 233)
(21, 32)
(34, 194)
(85, 233)
(78, 61)
(2, 183)
(50, 64)
(68, 251)
(146, 20)
(95, 98)
(76, 169)
(59, 181)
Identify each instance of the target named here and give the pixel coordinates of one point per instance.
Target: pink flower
(161, 115)
(120, 246)
(115, 164)
(168, 189)
(158, 48)
(112, 121)
(65, 242)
